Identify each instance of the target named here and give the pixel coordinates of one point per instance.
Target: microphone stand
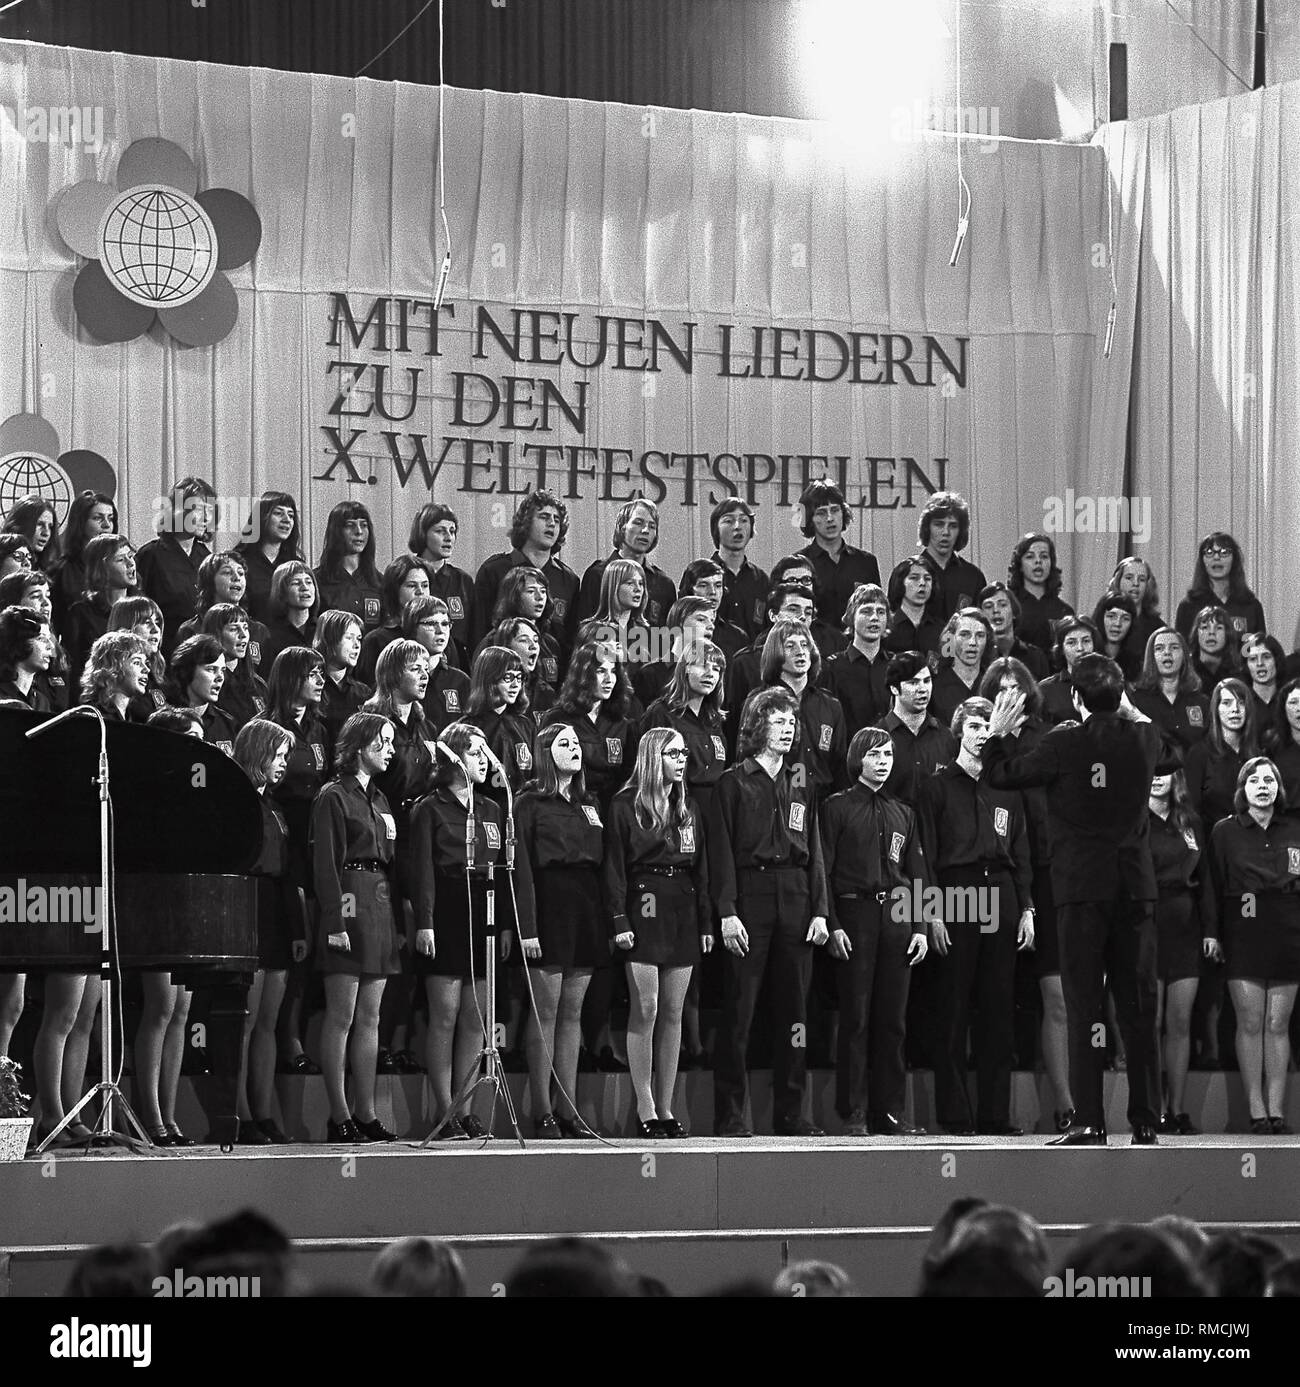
(488, 1068)
(103, 1132)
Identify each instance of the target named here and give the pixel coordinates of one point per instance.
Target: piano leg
(227, 1010)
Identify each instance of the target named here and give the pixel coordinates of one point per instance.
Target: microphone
(469, 813)
(510, 808)
(963, 226)
(442, 283)
(1110, 329)
(81, 708)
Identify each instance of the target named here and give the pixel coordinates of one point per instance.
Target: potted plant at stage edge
(15, 1125)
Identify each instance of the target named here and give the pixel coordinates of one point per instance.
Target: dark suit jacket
(1097, 775)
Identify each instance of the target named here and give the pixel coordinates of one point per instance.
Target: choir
(957, 801)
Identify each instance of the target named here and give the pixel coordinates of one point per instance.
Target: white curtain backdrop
(583, 208)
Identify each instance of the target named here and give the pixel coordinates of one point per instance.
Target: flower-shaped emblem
(31, 464)
(155, 247)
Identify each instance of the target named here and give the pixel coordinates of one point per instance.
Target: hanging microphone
(963, 226)
(1110, 334)
(443, 275)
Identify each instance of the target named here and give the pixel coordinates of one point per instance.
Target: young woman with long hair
(346, 574)
(338, 643)
(31, 590)
(271, 537)
(498, 707)
(452, 964)
(1281, 741)
(26, 651)
(657, 889)
(223, 578)
(1177, 843)
(1115, 616)
(1212, 646)
(116, 676)
(110, 575)
(169, 563)
(262, 752)
(1168, 690)
(291, 612)
(1219, 580)
(90, 514)
(622, 602)
(244, 693)
(912, 622)
(596, 700)
(1262, 659)
(196, 674)
(565, 937)
(524, 593)
(690, 621)
(143, 617)
(519, 634)
(1035, 578)
(792, 661)
(37, 521)
(1132, 578)
(405, 579)
(1252, 859)
(353, 836)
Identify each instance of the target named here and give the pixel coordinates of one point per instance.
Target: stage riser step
(1215, 1101)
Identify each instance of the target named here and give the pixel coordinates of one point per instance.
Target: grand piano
(187, 827)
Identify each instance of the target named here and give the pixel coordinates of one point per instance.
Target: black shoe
(608, 1063)
(374, 1130)
(999, 1129)
(1261, 1127)
(547, 1128)
(1080, 1135)
(407, 1063)
(671, 1128)
(178, 1138)
(887, 1125)
(160, 1136)
(572, 1127)
(473, 1128)
(649, 1131)
(856, 1124)
(301, 1065)
(1145, 1135)
(1277, 1126)
(273, 1133)
(451, 1131)
(733, 1127)
(1063, 1121)
(958, 1129)
(386, 1064)
(345, 1131)
(250, 1134)
(1181, 1125)
(798, 1127)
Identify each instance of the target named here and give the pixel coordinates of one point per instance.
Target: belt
(880, 897)
(772, 867)
(365, 864)
(661, 871)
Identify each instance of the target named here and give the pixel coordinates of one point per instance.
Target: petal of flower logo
(155, 248)
(32, 465)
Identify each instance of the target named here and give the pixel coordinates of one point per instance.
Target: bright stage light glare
(871, 65)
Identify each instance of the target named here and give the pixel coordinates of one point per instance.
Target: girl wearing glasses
(1219, 580)
(498, 708)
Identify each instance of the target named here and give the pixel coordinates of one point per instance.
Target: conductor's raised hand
(1008, 713)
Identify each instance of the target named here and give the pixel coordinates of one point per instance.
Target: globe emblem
(158, 246)
(28, 474)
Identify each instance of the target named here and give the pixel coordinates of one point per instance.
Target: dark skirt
(571, 919)
(452, 930)
(369, 927)
(1178, 937)
(274, 946)
(662, 913)
(1266, 947)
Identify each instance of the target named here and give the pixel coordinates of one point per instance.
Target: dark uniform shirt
(744, 597)
(509, 736)
(348, 824)
(967, 824)
(555, 832)
(561, 616)
(1186, 719)
(950, 692)
(608, 750)
(1247, 859)
(243, 700)
(1212, 780)
(837, 577)
(904, 635)
(660, 592)
(274, 860)
(916, 754)
(706, 746)
(955, 585)
(1287, 760)
(870, 844)
(1244, 617)
(57, 687)
(258, 571)
(821, 743)
(218, 730)
(280, 635)
(1036, 617)
(445, 696)
(438, 833)
(339, 701)
(171, 577)
(35, 697)
(1175, 854)
(765, 822)
(456, 588)
(410, 772)
(349, 592)
(305, 772)
(630, 847)
(86, 621)
(859, 685)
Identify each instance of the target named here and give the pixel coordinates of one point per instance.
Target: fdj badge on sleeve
(688, 837)
(523, 757)
(797, 813)
(896, 848)
(614, 750)
(1001, 822)
(1293, 861)
(493, 834)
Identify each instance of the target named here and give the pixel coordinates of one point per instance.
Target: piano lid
(179, 805)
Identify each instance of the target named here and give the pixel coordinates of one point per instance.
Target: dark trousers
(873, 986)
(774, 908)
(1110, 940)
(980, 968)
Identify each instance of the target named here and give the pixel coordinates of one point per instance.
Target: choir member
(110, 575)
(498, 707)
(244, 694)
(1214, 764)
(36, 520)
(272, 537)
(522, 636)
(1035, 579)
(1213, 648)
(1255, 874)
(785, 602)
(1072, 639)
(405, 579)
(636, 534)
(565, 937)
(1262, 659)
(90, 514)
(596, 700)
(352, 837)
(744, 584)
(338, 643)
(346, 576)
(1133, 578)
(921, 741)
(690, 620)
(791, 661)
(857, 677)
(523, 594)
(198, 671)
(1001, 610)
(943, 530)
(26, 651)
(291, 612)
(966, 649)
(116, 676)
(1115, 617)
(223, 579)
(143, 617)
(770, 892)
(262, 752)
(978, 847)
(872, 851)
(428, 621)
(451, 904)
(657, 889)
(169, 563)
(1219, 580)
(1281, 742)
(704, 578)
(1177, 844)
(15, 555)
(433, 541)
(32, 591)
(622, 604)
(913, 624)
(837, 566)
(1168, 690)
